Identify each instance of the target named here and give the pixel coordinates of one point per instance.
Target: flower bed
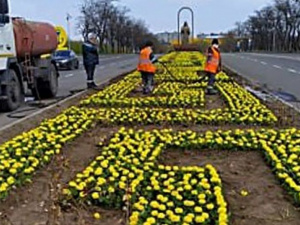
(188, 97)
(128, 174)
(23, 155)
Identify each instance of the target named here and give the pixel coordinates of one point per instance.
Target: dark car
(66, 59)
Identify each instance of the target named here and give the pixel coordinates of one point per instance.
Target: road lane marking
(262, 62)
(290, 56)
(277, 67)
(110, 58)
(69, 75)
(292, 70)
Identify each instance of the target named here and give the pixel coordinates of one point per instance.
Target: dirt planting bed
(40, 203)
(266, 204)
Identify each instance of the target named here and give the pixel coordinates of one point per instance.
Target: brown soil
(214, 102)
(267, 203)
(287, 117)
(38, 203)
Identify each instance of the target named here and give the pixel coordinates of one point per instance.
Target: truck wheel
(12, 93)
(47, 88)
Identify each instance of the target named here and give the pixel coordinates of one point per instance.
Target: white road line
(69, 75)
(109, 59)
(292, 70)
(264, 63)
(277, 67)
(291, 56)
(255, 60)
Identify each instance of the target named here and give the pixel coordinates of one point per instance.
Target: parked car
(66, 59)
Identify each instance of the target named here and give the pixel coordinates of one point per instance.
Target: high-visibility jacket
(213, 61)
(145, 63)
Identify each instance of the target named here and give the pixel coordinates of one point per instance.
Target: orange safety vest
(145, 64)
(212, 64)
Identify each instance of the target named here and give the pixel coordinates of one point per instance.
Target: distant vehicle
(66, 59)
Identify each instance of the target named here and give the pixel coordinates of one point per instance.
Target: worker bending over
(146, 67)
(213, 66)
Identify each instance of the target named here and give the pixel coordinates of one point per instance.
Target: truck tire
(47, 88)
(11, 92)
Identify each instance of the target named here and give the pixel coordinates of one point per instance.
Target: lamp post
(274, 39)
(69, 17)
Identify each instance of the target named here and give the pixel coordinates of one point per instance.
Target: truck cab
(22, 43)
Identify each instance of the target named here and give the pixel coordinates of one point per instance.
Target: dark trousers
(211, 79)
(148, 82)
(90, 71)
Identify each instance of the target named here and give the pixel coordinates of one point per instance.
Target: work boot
(92, 86)
(211, 90)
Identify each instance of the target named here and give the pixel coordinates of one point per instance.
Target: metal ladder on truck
(29, 74)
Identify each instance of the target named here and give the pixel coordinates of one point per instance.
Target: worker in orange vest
(213, 65)
(146, 67)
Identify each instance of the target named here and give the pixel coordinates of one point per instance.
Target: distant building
(167, 37)
(211, 36)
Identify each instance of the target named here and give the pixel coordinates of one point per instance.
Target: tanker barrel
(34, 38)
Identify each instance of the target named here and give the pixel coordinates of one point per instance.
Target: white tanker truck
(22, 43)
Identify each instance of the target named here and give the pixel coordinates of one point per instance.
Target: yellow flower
(198, 209)
(179, 210)
(175, 219)
(95, 195)
(98, 171)
(154, 213)
(189, 203)
(161, 216)
(244, 193)
(97, 216)
(162, 207)
(11, 180)
(66, 191)
(210, 206)
(199, 219)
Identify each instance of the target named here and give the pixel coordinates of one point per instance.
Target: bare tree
(115, 29)
(275, 27)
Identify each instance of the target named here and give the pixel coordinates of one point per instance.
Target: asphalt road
(110, 67)
(277, 71)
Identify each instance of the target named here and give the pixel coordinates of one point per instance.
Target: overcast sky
(159, 15)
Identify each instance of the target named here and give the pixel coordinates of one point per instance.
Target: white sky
(159, 15)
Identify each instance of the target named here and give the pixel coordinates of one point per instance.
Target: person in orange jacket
(146, 67)
(213, 65)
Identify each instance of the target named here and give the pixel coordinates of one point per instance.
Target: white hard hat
(92, 36)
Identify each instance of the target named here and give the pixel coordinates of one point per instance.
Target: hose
(19, 114)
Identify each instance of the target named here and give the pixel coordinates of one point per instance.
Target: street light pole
(274, 40)
(69, 17)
